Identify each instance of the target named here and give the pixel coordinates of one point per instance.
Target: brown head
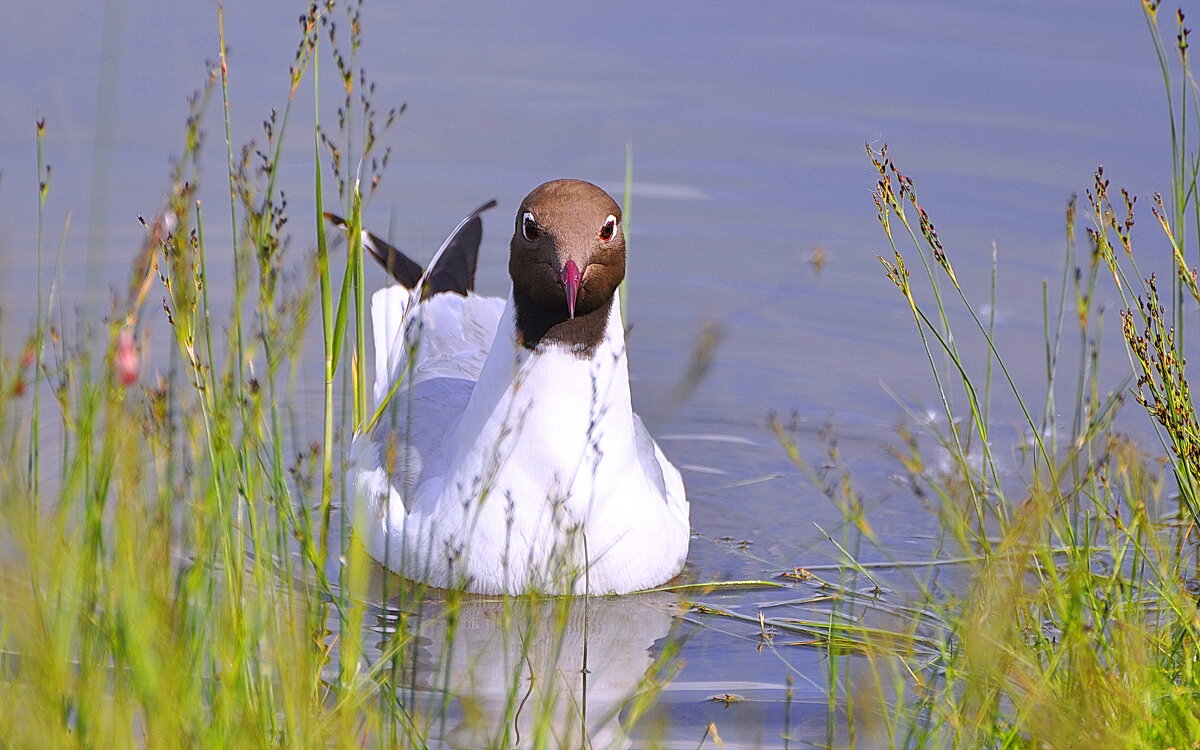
(566, 259)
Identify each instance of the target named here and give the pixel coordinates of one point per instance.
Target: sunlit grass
(1078, 626)
(173, 570)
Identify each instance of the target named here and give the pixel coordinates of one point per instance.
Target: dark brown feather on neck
(580, 335)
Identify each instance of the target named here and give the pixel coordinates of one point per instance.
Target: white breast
(500, 470)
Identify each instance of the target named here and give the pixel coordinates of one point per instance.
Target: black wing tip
(454, 274)
(490, 204)
(455, 269)
(404, 270)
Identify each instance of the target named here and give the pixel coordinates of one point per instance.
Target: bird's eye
(609, 228)
(529, 227)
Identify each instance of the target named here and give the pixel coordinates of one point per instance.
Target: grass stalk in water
(1077, 626)
(174, 576)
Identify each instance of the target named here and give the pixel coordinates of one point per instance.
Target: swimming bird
(507, 458)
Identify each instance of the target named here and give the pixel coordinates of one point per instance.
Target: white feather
(498, 469)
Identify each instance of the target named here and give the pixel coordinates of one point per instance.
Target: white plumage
(499, 467)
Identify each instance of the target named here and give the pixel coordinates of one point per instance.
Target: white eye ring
(529, 227)
(609, 229)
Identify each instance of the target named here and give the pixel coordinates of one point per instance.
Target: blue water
(747, 124)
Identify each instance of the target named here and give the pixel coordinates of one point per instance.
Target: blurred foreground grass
(175, 573)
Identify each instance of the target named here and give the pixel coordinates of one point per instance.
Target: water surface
(748, 126)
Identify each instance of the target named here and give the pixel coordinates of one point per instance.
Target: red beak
(570, 281)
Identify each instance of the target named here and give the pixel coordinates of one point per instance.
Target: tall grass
(1077, 624)
(176, 571)
(173, 571)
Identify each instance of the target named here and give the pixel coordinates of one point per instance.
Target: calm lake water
(748, 125)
